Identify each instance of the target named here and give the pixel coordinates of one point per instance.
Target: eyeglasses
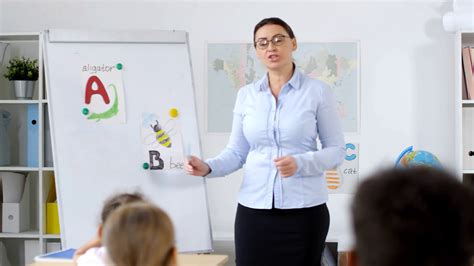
(276, 40)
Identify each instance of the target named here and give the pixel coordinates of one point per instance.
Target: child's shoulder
(93, 256)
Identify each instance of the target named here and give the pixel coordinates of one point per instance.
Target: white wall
(407, 94)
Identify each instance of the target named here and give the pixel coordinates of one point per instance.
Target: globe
(412, 158)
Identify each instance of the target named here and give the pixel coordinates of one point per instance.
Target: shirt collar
(294, 81)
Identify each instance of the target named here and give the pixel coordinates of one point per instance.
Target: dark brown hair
(273, 21)
(115, 201)
(413, 217)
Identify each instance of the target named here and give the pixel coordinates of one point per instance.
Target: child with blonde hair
(140, 234)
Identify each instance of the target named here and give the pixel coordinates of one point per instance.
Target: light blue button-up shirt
(265, 128)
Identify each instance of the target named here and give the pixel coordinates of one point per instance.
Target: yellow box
(52, 218)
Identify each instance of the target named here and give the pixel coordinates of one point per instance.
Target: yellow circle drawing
(174, 112)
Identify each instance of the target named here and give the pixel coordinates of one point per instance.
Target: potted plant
(23, 72)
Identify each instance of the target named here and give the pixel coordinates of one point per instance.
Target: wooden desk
(346, 258)
(202, 260)
(183, 260)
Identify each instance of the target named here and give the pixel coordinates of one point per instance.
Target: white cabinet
(464, 114)
(28, 153)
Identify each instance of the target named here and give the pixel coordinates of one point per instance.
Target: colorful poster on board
(162, 141)
(344, 179)
(104, 98)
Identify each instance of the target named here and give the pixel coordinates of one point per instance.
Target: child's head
(140, 234)
(117, 200)
(417, 216)
(113, 202)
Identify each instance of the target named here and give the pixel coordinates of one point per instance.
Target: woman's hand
(286, 165)
(196, 166)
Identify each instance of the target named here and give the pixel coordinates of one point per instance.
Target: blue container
(5, 118)
(32, 136)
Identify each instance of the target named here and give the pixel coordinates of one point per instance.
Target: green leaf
(21, 68)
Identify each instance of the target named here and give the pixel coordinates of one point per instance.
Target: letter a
(100, 90)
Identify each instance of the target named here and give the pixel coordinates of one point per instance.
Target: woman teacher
(282, 217)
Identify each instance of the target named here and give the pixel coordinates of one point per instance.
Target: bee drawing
(161, 135)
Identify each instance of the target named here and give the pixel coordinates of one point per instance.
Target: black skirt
(290, 237)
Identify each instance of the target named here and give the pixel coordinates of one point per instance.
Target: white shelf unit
(19, 101)
(25, 234)
(464, 114)
(28, 45)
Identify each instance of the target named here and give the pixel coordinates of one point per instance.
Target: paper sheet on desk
(57, 256)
